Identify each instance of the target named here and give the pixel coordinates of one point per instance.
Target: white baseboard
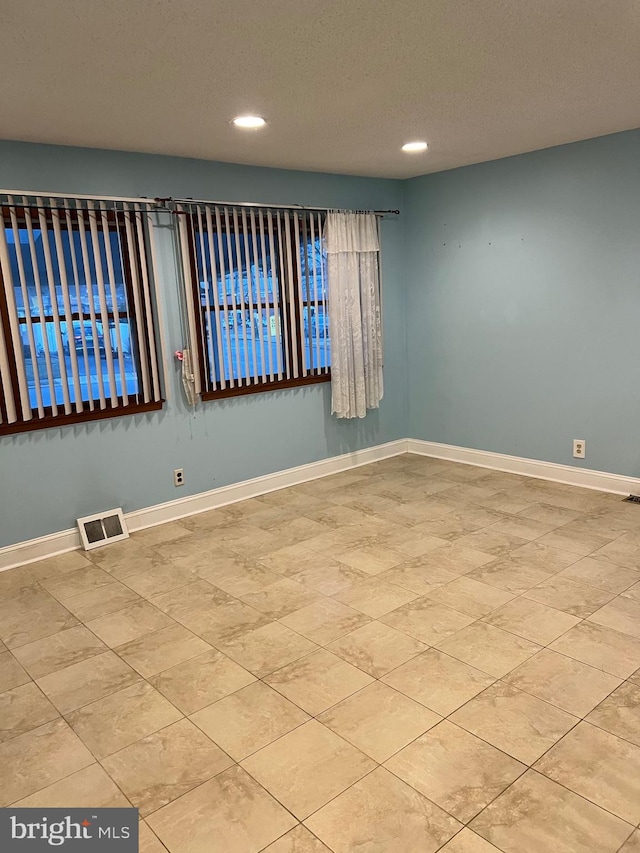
(69, 540)
(568, 474)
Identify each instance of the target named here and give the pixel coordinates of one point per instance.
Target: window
(77, 335)
(256, 292)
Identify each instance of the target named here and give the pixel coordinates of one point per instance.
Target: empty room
(320, 426)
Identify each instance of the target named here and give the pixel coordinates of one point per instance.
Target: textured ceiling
(343, 83)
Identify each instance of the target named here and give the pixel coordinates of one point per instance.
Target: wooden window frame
(110, 410)
(306, 376)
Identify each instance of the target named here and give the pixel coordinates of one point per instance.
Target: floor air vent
(102, 528)
(633, 499)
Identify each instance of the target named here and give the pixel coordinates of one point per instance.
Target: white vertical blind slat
(250, 325)
(241, 330)
(283, 315)
(291, 293)
(152, 392)
(41, 311)
(115, 311)
(137, 301)
(275, 295)
(206, 324)
(70, 326)
(55, 310)
(16, 351)
(261, 287)
(216, 299)
(66, 301)
(225, 307)
(86, 264)
(183, 235)
(102, 299)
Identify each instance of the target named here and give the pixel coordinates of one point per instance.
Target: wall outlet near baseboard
(178, 477)
(579, 448)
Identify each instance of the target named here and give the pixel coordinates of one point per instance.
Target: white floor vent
(102, 528)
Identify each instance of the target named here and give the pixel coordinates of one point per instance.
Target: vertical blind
(77, 302)
(256, 297)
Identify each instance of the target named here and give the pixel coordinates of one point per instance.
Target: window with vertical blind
(77, 309)
(256, 297)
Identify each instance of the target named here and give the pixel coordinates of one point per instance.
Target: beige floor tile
(543, 556)
(371, 559)
(579, 599)
(99, 602)
(510, 575)
(376, 648)
(307, 767)
(87, 681)
(230, 813)
(564, 682)
(324, 621)
(238, 577)
(88, 788)
(489, 649)
(536, 814)
(21, 599)
(38, 759)
(148, 841)
(122, 718)
(633, 843)
(438, 681)
(328, 576)
(632, 592)
(531, 620)
(413, 542)
(417, 577)
(525, 528)
(619, 713)
(378, 720)
(162, 649)
(427, 621)
(200, 681)
(375, 597)
(23, 709)
(59, 651)
(129, 624)
(470, 596)
(601, 647)
(249, 719)
(624, 551)
(467, 841)
(456, 558)
(622, 614)
(70, 584)
(11, 673)
(194, 599)
(19, 628)
(291, 559)
(580, 543)
(615, 786)
(164, 765)
(514, 722)
(161, 579)
(299, 840)
(492, 541)
(602, 575)
(267, 648)
(281, 598)
(61, 564)
(456, 524)
(159, 535)
(318, 681)
(382, 813)
(125, 558)
(456, 770)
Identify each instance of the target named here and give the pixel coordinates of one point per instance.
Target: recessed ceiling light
(414, 146)
(252, 122)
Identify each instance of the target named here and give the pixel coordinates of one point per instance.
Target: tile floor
(408, 657)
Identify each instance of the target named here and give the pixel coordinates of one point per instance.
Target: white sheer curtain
(353, 284)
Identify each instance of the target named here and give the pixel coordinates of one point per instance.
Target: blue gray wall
(49, 478)
(523, 304)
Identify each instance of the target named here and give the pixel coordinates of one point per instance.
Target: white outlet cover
(579, 448)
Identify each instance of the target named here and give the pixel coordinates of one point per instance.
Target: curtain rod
(170, 200)
(49, 194)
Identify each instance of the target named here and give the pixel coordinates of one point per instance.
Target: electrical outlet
(579, 448)
(178, 477)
